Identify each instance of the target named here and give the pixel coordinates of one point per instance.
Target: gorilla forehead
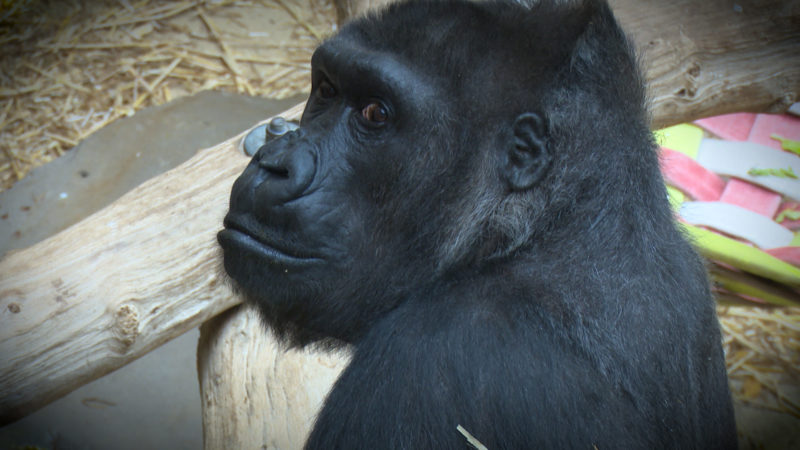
(424, 32)
(348, 61)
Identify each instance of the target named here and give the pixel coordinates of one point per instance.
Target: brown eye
(375, 113)
(325, 90)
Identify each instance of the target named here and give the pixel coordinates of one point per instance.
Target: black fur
(499, 251)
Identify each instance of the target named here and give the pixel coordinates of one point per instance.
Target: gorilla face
(308, 218)
(364, 202)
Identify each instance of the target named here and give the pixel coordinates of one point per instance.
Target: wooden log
(702, 59)
(256, 394)
(120, 283)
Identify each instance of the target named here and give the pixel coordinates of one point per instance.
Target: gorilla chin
(256, 262)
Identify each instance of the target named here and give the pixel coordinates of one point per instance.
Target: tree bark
(256, 394)
(122, 282)
(707, 58)
(115, 286)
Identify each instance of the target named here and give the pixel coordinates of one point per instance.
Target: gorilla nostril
(285, 175)
(274, 166)
(281, 172)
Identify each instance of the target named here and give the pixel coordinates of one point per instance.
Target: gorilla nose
(275, 165)
(289, 167)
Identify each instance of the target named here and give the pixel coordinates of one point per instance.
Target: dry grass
(762, 347)
(70, 68)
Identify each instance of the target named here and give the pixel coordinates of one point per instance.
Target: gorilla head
(469, 175)
(419, 154)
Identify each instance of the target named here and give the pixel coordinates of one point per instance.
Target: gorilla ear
(527, 156)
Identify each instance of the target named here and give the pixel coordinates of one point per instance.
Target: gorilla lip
(233, 236)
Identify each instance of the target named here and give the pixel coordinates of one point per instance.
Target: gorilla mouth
(238, 237)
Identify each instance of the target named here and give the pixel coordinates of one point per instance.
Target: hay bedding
(69, 68)
(762, 349)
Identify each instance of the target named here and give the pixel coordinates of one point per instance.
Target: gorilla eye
(375, 113)
(325, 90)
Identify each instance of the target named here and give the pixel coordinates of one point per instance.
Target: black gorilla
(473, 201)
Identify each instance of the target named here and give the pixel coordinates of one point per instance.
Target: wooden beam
(706, 58)
(256, 394)
(122, 282)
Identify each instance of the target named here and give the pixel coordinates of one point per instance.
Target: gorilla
(473, 205)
